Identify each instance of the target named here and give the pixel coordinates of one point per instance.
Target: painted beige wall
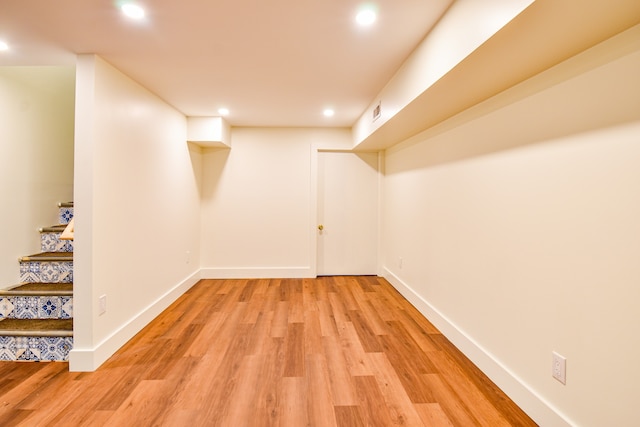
(137, 209)
(36, 157)
(517, 222)
(257, 197)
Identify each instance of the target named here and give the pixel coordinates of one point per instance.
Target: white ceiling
(271, 62)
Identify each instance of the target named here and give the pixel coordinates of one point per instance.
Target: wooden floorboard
(333, 351)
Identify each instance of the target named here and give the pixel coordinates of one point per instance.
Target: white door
(347, 213)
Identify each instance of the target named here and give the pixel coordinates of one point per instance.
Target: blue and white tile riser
(50, 242)
(36, 307)
(64, 215)
(46, 272)
(35, 349)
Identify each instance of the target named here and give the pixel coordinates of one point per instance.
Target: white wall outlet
(102, 304)
(400, 261)
(188, 257)
(559, 367)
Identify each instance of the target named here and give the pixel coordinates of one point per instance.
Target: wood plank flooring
(332, 351)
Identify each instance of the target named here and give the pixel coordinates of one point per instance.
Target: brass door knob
(321, 227)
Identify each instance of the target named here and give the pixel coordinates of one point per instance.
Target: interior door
(347, 213)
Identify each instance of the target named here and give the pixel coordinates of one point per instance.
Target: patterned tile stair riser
(50, 241)
(36, 307)
(35, 349)
(65, 213)
(51, 272)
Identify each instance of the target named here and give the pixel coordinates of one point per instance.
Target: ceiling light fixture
(328, 112)
(366, 16)
(3, 46)
(132, 10)
(223, 111)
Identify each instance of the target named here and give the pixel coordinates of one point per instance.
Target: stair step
(51, 239)
(36, 340)
(65, 212)
(58, 228)
(48, 257)
(37, 289)
(36, 327)
(47, 267)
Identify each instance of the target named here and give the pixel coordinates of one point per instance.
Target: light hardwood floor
(331, 351)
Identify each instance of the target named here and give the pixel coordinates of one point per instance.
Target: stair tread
(49, 256)
(58, 228)
(36, 327)
(45, 289)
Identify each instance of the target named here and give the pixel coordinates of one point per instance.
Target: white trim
(88, 360)
(257, 273)
(381, 170)
(541, 411)
(313, 210)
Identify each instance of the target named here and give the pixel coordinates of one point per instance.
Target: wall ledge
(545, 34)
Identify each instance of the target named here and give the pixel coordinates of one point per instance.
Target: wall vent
(376, 112)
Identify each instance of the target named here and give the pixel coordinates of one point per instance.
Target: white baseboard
(88, 360)
(257, 273)
(534, 405)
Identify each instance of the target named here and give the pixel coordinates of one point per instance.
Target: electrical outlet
(400, 261)
(559, 367)
(188, 257)
(102, 304)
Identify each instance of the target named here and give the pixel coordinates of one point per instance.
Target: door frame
(313, 226)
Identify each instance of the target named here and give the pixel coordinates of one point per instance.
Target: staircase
(36, 315)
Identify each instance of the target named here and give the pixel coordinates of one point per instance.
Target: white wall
(518, 225)
(257, 214)
(36, 157)
(137, 209)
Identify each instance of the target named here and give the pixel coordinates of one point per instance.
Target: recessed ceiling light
(366, 16)
(132, 10)
(223, 111)
(3, 46)
(328, 112)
